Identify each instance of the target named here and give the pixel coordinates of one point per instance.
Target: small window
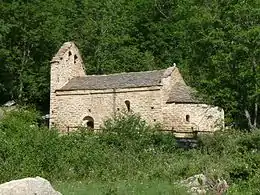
(75, 59)
(187, 118)
(127, 103)
(89, 110)
(118, 109)
(152, 107)
(70, 53)
(154, 120)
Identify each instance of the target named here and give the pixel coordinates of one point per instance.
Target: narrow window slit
(75, 59)
(127, 103)
(187, 118)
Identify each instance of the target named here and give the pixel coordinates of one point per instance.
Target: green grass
(120, 188)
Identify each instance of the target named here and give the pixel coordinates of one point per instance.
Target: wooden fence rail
(194, 133)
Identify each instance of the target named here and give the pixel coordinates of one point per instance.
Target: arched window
(88, 122)
(127, 103)
(187, 118)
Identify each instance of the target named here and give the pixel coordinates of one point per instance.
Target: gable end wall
(65, 65)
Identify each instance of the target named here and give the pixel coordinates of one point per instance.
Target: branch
(159, 9)
(248, 117)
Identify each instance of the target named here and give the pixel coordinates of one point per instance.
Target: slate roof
(122, 80)
(181, 93)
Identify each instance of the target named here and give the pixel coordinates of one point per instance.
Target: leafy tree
(224, 63)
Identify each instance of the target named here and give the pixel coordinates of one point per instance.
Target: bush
(127, 150)
(127, 131)
(238, 153)
(27, 149)
(31, 150)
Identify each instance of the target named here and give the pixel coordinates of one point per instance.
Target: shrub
(27, 149)
(129, 131)
(127, 149)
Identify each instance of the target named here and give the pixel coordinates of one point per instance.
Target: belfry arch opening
(88, 122)
(127, 103)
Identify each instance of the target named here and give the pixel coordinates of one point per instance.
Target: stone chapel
(159, 96)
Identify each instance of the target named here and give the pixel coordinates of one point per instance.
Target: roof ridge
(121, 73)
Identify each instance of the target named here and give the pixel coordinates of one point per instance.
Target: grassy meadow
(129, 157)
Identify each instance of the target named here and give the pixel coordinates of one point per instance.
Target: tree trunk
(253, 125)
(256, 93)
(26, 53)
(248, 117)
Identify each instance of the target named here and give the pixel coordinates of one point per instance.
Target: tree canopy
(215, 43)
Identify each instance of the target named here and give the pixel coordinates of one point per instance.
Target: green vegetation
(215, 44)
(129, 157)
(153, 187)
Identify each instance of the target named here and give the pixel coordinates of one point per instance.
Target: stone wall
(188, 117)
(73, 106)
(65, 65)
(171, 77)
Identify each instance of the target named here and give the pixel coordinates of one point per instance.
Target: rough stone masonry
(159, 96)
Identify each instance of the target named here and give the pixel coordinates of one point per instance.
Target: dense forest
(215, 43)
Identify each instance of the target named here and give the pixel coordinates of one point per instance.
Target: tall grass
(127, 151)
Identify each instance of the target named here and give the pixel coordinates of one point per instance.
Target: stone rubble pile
(200, 184)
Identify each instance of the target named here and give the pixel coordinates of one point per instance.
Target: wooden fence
(191, 133)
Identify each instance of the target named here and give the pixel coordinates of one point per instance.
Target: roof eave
(82, 89)
(184, 102)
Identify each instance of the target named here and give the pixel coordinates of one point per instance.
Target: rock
(28, 186)
(7, 107)
(221, 186)
(10, 103)
(196, 184)
(46, 117)
(200, 184)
